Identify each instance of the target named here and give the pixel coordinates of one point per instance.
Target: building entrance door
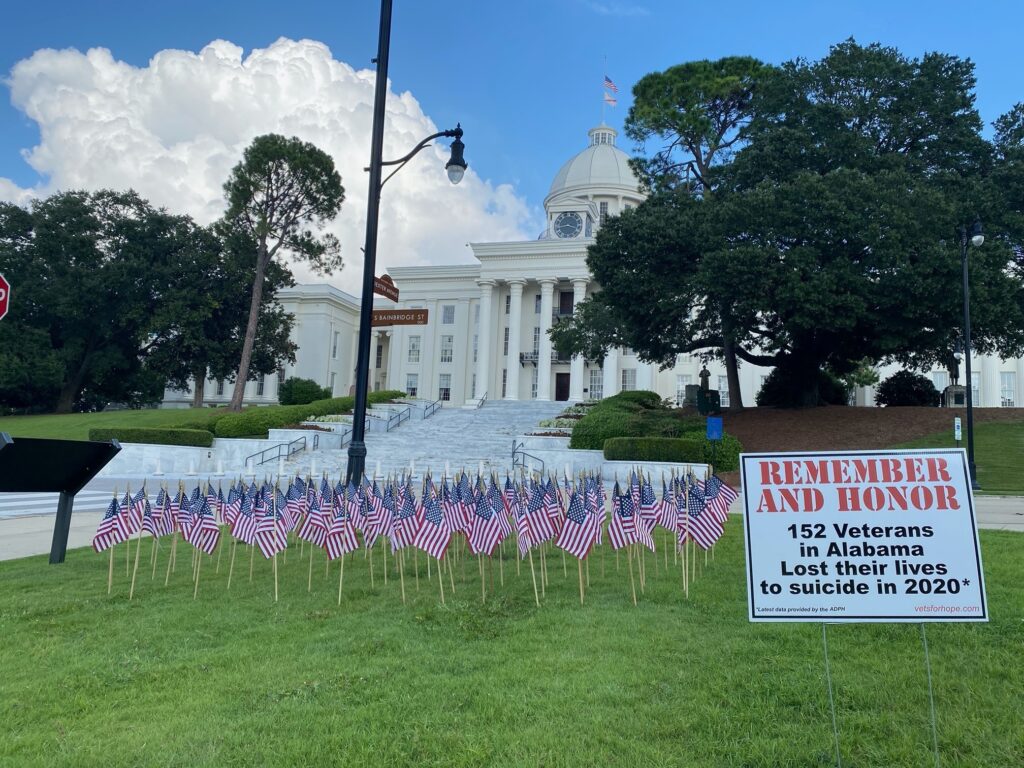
(561, 386)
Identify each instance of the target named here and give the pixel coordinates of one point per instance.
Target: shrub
(630, 414)
(641, 397)
(561, 422)
(254, 422)
(593, 429)
(671, 449)
(297, 391)
(782, 391)
(201, 438)
(907, 388)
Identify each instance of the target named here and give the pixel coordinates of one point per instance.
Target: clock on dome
(568, 224)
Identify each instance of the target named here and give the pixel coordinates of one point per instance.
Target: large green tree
(204, 339)
(281, 195)
(93, 271)
(831, 236)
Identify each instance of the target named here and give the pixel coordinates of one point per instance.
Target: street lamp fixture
(456, 168)
(976, 238)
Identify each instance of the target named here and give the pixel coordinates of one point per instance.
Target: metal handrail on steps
(519, 456)
(398, 418)
(481, 401)
(431, 409)
(275, 451)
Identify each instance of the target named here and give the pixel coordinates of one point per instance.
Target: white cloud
(174, 129)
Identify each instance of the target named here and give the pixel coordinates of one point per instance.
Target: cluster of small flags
(571, 514)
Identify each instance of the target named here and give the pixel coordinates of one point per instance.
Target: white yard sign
(885, 536)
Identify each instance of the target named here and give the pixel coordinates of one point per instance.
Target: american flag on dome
(622, 528)
(111, 530)
(434, 533)
(610, 85)
(579, 530)
(705, 529)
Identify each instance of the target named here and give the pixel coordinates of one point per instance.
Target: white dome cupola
(592, 185)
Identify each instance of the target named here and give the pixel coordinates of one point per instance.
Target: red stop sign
(5, 295)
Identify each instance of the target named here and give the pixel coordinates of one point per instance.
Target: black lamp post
(455, 167)
(975, 238)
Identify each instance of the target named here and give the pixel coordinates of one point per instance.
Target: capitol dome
(601, 168)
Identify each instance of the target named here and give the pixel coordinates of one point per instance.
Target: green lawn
(998, 454)
(76, 426)
(234, 679)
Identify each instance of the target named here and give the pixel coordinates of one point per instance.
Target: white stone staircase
(461, 437)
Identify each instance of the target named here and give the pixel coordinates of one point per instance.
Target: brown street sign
(385, 286)
(399, 317)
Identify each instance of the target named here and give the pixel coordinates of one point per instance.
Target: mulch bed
(838, 428)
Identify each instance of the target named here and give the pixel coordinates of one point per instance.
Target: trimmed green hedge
(673, 449)
(254, 422)
(201, 438)
(630, 414)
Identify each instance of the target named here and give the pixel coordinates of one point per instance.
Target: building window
(444, 387)
(536, 304)
(333, 375)
(412, 384)
(596, 384)
(1007, 388)
(626, 207)
(684, 358)
(260, 383)
(536, 342)
(414, 349)
(604, 212)
(723, 391)
(476, 342)
(975, 388)
(506, 341)
(627, 351)
(448, 314)
(380, 355)
(508, 303)
(682, 381)
(533, 385)
(628, 379)
(472, 387)
(220, 387)
(476, 314)
(447, 343)
(504, 382)
(940, 379)
(334, 346)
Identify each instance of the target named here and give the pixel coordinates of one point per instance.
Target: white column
(547, 286)
(645, 375)
(372, 371)
(483, 356)
(610, 373)
(515, 327)
(579, 292)
(1019, 394)
(990, 390)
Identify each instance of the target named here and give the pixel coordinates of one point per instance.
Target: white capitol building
(488, 321)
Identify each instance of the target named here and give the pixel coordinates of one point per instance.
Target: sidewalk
(32, 534)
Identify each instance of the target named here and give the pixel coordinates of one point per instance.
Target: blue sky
(523, 76)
